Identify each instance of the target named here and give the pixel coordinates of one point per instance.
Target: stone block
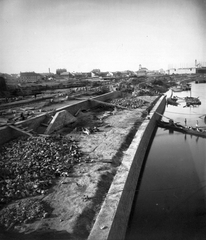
(59, 120)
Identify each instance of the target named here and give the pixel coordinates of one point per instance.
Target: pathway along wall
(111, 223)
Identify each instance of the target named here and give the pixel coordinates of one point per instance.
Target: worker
(197, 126)
(171, 122)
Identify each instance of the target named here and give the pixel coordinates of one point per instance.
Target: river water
(170, 201)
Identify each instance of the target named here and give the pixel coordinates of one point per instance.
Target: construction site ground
(12, 113)
(73, 203)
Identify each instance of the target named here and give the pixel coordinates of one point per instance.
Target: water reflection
(170, 200)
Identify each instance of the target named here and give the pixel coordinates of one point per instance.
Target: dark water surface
(170, 202)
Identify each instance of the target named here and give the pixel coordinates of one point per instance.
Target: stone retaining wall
(111, 223)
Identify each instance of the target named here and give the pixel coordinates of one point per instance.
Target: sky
(110, 35)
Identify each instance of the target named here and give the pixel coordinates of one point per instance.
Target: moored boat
(191, 101)
(181, 87)
(197, 131)
(172, 101)
(186, 87)
(177, 88)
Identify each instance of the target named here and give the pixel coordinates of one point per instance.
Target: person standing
(197, 126)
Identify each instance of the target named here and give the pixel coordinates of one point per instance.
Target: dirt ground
(75, 200)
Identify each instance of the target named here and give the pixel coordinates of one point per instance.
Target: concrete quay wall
(111, 222)
(22, 102)
(73, 109)
(7, 134)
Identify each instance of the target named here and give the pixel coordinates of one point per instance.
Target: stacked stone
(129, 102)
(29, 166)
(26, 211)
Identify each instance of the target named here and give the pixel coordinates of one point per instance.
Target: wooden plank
(20, 130)
(162, 115)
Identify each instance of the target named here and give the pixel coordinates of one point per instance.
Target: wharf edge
(111, 222)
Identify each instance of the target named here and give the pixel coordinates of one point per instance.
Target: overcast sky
(111, 35)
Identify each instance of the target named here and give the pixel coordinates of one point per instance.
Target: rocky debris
(90, 130)
(15, 115)
(26, 211)
(129, 102)
(86, 130)
(191, 101)
(29, 166)
(148, 92)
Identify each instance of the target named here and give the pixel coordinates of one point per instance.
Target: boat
(203, 116)
(197, 131)
(191, 101)
(181, 87)
(177, 88)
(172, 101)
(186, 87)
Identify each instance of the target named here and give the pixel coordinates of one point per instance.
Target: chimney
(195, 63)
(49, 70)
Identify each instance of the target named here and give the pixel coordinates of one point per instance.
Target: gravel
(29, 166)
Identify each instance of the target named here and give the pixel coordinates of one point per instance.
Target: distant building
(81, 75)
(11, 82)
(30, 77)
(3, 86)
(60, 70)
(142, 71)
(190, 70)
(162, 71)
(67, 75)
(96, 71)
(142, 68)
(15, 75)
(201, 70)
(200, 67)
(47, 76)
(153, 73)
(94, 74)
(197, 67)
(109, 74)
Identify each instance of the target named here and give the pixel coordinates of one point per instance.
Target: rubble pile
(129, 102)
(25, 211)
(29, 166)
(87, 130)
(15, 115)
(148, 92)
(191, 101)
